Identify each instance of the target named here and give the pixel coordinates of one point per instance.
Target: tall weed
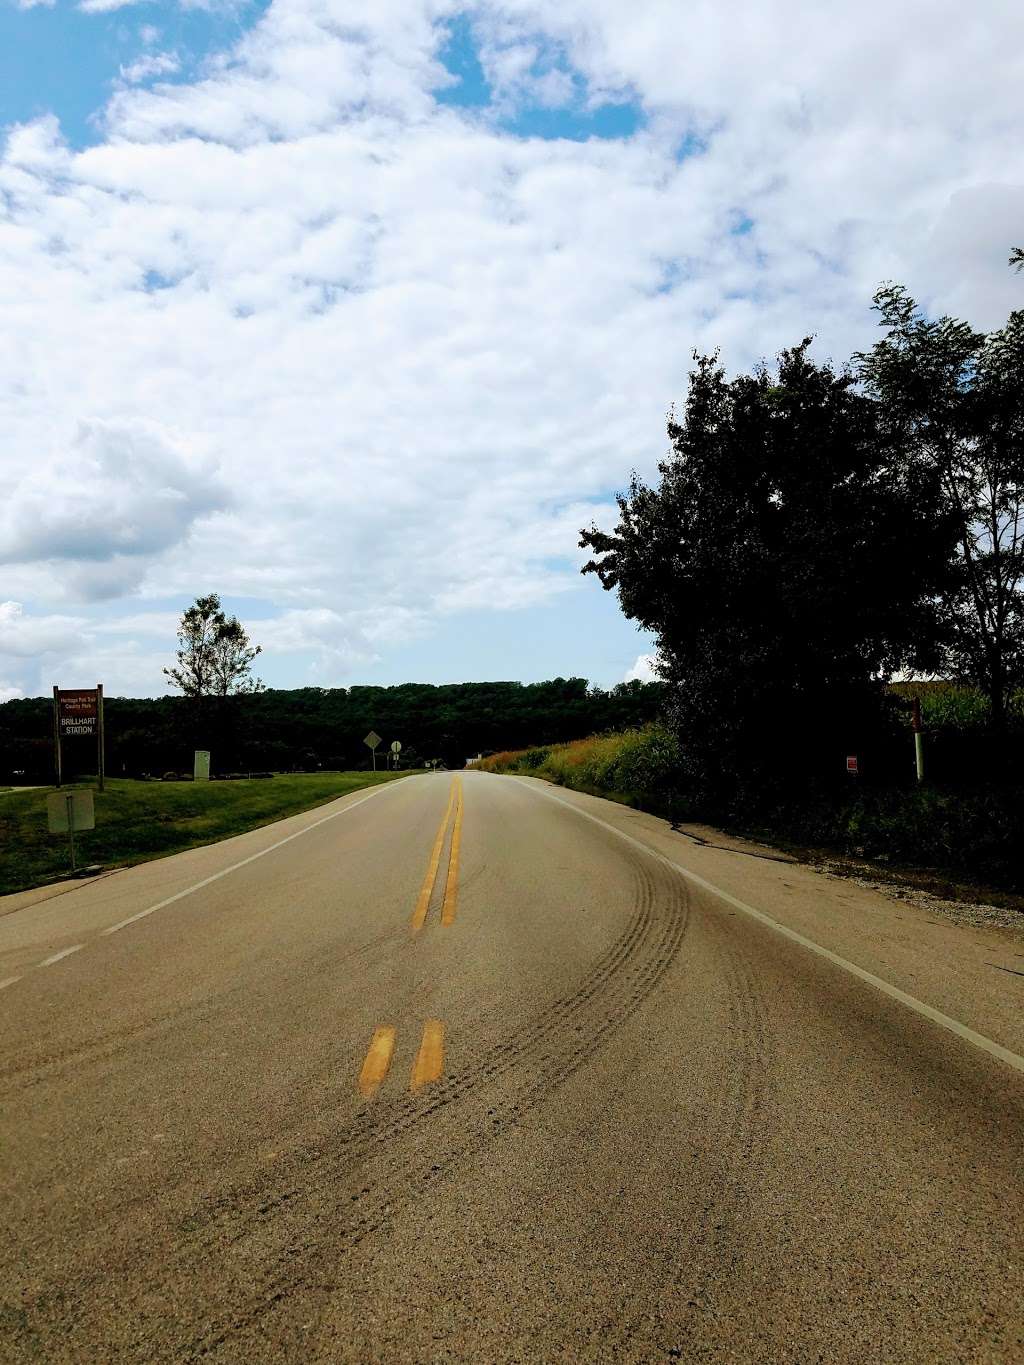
(630, 764)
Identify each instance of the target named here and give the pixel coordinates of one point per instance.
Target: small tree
(215, 655)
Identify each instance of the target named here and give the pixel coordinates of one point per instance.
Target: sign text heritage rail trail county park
(78, 713)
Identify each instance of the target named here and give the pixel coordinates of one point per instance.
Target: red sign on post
(851, 764)
(78, 713)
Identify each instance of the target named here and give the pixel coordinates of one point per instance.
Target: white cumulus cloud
(150, 64)
(643, 670)
(296, 331)
(115, 495)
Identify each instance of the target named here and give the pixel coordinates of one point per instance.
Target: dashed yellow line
(430, 1059)
(429, 1062)
(451, 889)
(378, 1060)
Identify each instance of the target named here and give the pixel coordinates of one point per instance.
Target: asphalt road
(474, 1069)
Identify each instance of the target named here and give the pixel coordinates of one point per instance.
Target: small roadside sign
(371, 741)
(67, 812)
(396, 746)
(70, 811)
(851, 765)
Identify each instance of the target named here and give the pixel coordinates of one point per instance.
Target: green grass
(137, 821)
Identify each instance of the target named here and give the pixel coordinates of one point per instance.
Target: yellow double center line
(429, 1063)
(427, 1067)
(451, 890)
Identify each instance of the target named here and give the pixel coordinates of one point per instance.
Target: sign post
(56, 733)
(915, 725)
(78, 714)
(101, 763)
(396, 749)
(371, 741)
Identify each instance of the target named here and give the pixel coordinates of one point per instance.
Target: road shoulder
(973, 973)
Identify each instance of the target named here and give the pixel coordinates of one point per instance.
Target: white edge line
(207, 881)
(968, 1035)
(64, 952)
(9, 981)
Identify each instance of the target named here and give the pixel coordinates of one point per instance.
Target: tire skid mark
(735, 1131)
(390, 1118)
(632, 968)
(266, 1228)
(745, 1150)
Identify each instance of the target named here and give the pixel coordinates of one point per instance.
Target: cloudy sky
(356, 310)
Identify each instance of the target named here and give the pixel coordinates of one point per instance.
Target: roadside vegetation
(138, 821)
(636, 767)
(965, 836)
(816, 531)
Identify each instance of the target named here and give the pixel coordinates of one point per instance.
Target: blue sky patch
(460, 56)
(575, 120)
(576, 124)
(58, 60)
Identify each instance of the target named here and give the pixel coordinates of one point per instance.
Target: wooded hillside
(310, 727)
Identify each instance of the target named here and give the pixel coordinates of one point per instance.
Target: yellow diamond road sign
(372, 740)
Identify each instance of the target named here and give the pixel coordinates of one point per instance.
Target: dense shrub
(977, 834)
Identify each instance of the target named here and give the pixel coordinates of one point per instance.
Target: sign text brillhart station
(78, 713)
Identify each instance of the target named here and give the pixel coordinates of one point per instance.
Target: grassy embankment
(137, 821)
(964, 838)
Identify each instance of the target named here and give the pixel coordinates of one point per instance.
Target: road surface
(471, 1068)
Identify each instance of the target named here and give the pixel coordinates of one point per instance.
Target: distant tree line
(310, 727)
(815, 530)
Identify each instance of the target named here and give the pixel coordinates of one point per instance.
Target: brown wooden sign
(78, 713)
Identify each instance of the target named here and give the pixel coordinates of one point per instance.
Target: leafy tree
(783, 562)
(1017, 258)
(952, 400)
(215, 655)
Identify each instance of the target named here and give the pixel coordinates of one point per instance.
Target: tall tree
(783, 564)
(215, 655)
(952, 400)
